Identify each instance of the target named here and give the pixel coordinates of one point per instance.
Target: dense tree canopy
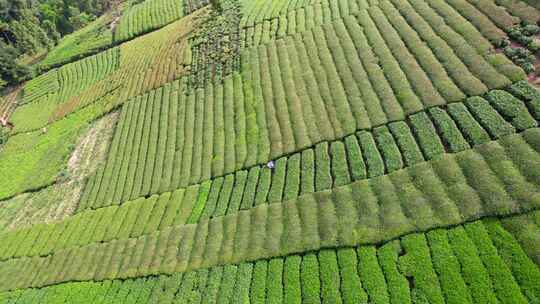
(28, 26)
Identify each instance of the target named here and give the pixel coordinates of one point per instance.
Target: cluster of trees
(27, 26)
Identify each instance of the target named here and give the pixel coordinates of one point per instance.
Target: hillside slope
(286, 151)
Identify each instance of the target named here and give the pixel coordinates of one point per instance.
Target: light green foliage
(371, 275)
(228, 280)
(264, 186)
(243, 282)
(210, 293)
(489, 118)
(512, 108)
(158, 212)
(526, 231)
(330, 280)
(238, 190)
(529, 94)
(327, 102)
(33, 160)
(250, 190)
(274, 281)
(398, 286)
(213, 197)
(407, 144)
(340, 167)
(427, 136)
(224, 196)
(146, 211)
(291, 280)
(275, 194)
(354, 154)
(127, 218)
(146, 16)
(448, 268)
(389, 150)
(449, 131)
(351, 287)
(307, 172)
(91, 38)
(523, 268)
(292, 179)
(372, 157)
(258, 283)
(200, 203)
(504, 284)
(416, 263)
(172, 209)
(472, 130)
(311, 284)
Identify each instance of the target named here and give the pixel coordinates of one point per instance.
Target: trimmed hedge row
(328, 165)
(297, 17)
(451, 189)
(146, 16)
(441, 266)
(41, 87)
(48, 97)
(213, 141)
(411, 20)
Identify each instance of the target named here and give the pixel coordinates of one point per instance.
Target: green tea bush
(330, 279)
(258, 282)
(522, 267)
(323, 175)
(512, 108)
(489, 118)
(389, 150)
(340, 167)
(275, 193)
(291, 279)
(458, 70)
(450, 133)
(292, 180)
(351, 287)
(448, 268)
(307, 172)
(274, 281)
(408, 146)
(427, 136)
(504, 284)
(472, 130)
(371, 275)
(416, 263)
(373, 160)
(250, 191)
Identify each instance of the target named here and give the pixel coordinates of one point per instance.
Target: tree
(50, 28)
(10, 70)
(216, 5)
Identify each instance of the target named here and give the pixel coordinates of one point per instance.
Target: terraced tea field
(284, 151)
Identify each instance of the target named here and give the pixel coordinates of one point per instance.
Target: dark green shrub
(489, 118)
(406, 142)
(340, 167)
(389, 150)
(427, 136)
(449, 131)
(372, 157)
(323, 176)
(471, 129)
(512, 108)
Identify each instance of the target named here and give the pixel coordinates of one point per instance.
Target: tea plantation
(278, 151)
